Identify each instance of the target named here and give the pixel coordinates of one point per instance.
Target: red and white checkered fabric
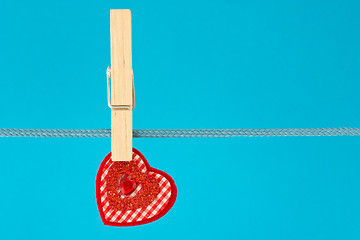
(140, 215)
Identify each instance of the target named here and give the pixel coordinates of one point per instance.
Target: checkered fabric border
(139, 214)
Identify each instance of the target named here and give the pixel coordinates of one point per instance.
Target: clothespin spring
(125, 107)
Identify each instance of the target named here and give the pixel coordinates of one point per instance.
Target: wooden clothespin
(122, 85)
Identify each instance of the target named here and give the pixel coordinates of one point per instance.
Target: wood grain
(121, 84)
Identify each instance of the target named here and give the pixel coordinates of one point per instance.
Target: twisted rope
(183, 133)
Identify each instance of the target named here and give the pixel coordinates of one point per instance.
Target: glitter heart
(132, 193)
(127, 185)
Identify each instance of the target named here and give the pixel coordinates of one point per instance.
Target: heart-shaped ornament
(132, 193)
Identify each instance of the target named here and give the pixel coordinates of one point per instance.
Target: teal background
(197, 64)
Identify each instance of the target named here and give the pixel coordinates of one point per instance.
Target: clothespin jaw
(122, 85)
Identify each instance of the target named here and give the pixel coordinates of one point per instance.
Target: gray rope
(183, 133)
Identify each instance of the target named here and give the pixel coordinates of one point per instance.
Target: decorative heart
(133, 193)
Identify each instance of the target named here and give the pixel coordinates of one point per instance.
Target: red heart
(127, 185)
(133, 193)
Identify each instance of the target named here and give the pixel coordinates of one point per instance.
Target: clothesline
(183, 133)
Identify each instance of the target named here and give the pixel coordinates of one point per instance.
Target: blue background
(197, 64)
